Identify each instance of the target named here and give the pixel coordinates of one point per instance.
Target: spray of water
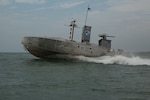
(118, 59)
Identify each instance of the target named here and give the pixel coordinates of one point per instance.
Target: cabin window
(78, 46)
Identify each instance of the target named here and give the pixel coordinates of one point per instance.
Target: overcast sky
(128, 20)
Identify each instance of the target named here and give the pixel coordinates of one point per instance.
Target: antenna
(87, 14)
(76, 26)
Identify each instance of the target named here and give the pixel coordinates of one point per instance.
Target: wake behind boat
(49, 47)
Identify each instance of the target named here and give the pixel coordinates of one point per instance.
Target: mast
(72, 26)
(87, 14)
(86, 32)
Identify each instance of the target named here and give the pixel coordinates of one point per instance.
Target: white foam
(119, 59)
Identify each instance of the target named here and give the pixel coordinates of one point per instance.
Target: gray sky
(128, 20)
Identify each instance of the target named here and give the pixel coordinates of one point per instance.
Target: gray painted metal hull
(48, 47)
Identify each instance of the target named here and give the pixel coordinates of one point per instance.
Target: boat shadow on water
(58, 60)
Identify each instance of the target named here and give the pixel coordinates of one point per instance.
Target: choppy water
(24, 77)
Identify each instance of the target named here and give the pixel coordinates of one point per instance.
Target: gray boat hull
(48, 47)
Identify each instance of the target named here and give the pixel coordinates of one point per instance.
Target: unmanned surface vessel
(43, 47)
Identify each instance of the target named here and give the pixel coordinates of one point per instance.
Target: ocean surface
(25, 77)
